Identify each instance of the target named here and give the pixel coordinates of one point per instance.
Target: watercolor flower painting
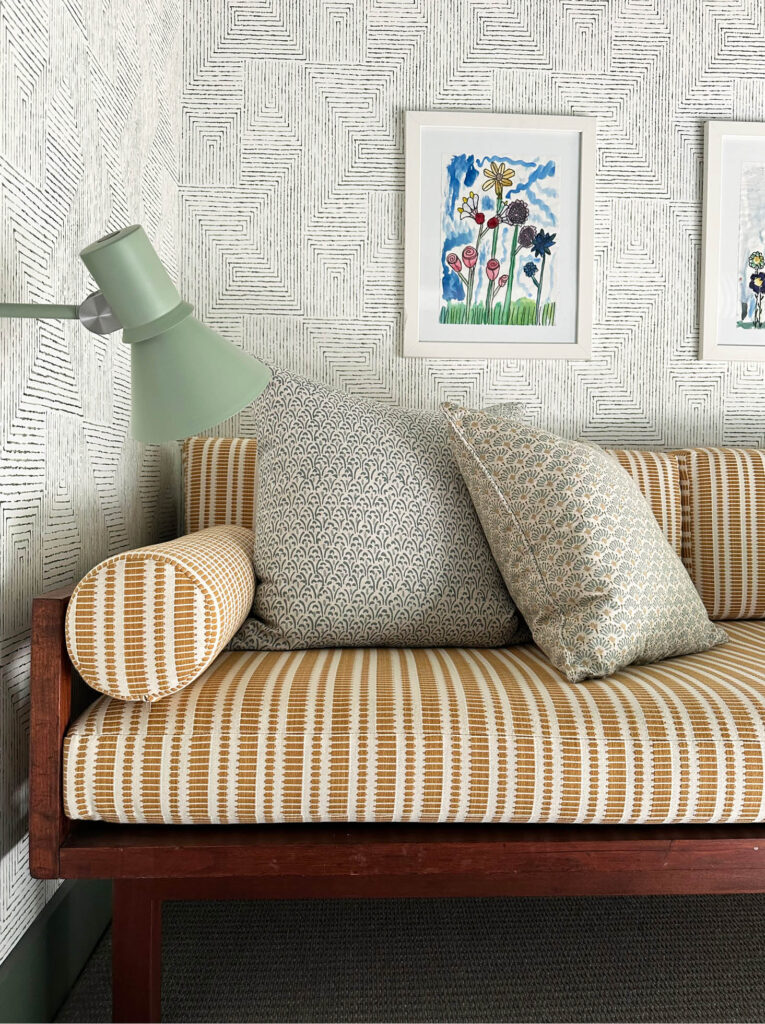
(751, 298)
(751, 270)
(499, 220)
(498, 231)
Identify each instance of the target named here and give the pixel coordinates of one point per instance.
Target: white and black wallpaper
(260, 142)
(88, 142)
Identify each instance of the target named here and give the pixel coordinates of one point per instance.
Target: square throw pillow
(365, 534)
(579, 548)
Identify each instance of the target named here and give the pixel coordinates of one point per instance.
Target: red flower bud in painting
(492, 222)
(492, 269)
(480, 218)
(454, 262)
(470, 256)
(502, 281)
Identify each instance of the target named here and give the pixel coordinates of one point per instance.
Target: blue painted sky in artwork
(534, 182)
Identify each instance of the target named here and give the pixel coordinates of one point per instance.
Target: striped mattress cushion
(432, 735)
(723, 493)
(147, 622)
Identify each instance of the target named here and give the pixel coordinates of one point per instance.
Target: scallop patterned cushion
(365, 532)
(579, 548)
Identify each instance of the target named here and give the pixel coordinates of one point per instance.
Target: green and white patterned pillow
(365, 532)
(578, 547)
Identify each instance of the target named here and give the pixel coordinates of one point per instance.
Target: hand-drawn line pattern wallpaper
(88, 142)
(293, 178)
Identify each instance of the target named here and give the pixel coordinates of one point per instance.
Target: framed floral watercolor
(733, 278)
(499, 235)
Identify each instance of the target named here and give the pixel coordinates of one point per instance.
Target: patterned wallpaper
(88, 142)
(293, 174)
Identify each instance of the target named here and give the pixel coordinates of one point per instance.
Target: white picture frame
(734, 186)
(557, 324)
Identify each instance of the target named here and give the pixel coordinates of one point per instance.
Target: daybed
(396, 773)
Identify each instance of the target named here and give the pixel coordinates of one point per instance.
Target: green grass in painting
(522, 313)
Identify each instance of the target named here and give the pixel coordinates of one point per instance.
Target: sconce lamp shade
(185, 377)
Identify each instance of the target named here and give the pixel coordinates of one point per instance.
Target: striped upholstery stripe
(147, 622)
(432, 735)
(220, 482)
(723, 492)
(657, 474)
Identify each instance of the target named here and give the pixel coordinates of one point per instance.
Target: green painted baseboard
(45, 963)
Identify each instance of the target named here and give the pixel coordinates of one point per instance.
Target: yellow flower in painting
(499, 177)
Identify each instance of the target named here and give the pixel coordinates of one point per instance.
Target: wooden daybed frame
(150, 864)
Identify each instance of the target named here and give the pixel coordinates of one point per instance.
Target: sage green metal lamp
(185, 377)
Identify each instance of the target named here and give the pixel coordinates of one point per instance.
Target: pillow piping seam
(506, 504)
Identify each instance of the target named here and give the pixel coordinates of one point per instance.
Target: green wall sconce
(184, 377)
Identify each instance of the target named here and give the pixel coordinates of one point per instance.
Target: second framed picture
(733, 272)
(499, 235)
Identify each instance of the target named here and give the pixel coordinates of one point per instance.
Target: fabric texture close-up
(220, 482)
(723, 493)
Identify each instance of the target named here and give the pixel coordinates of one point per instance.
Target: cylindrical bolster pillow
(147, 622)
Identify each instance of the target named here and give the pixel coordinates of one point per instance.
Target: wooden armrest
(51, 704)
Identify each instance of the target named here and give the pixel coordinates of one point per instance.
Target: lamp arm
(38, 311)
(93, 312)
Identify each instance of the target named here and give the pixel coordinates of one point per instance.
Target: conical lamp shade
(185, 377)
(188, 378)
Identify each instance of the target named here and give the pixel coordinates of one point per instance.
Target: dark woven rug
(694, 958)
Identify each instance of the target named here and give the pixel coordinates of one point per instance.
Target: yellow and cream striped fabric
(657, 474)
(723, 491)
(432, 735)
(145, 623)
(220, 481)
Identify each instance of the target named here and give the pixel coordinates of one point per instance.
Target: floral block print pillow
(365, 534)
(579, 548)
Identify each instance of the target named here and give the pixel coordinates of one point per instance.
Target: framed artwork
(733, 276)
(499, 235)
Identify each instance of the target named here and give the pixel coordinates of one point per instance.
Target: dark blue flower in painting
(530, 269)
(757, 283)
(543, 242)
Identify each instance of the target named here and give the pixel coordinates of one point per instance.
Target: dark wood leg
(136, 951)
